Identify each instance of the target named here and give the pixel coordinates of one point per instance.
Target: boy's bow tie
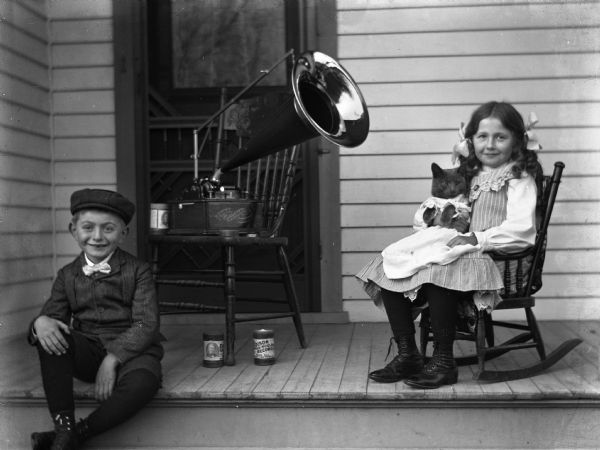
(102, 267)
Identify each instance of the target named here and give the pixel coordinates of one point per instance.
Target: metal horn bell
(326, 101)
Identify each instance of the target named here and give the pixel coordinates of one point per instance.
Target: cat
(450, 185)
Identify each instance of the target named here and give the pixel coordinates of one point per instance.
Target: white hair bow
(462, 146)
(532, 140)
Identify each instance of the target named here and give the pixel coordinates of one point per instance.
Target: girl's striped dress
(475, 271)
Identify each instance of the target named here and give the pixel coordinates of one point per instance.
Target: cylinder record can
(264, 347)
(213, 349)
(159, 218)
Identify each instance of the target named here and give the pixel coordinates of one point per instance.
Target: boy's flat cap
(102, 199)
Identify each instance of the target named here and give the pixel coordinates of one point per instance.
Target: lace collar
(491, 180)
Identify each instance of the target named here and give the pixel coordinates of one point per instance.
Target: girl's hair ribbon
(532, 140)
(461, 148)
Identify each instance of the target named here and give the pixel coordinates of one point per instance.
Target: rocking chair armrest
(497, 256)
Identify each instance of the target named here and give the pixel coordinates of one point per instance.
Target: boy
(100, 324)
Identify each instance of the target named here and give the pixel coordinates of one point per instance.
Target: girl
(499, 162)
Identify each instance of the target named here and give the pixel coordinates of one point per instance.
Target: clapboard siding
(29, 46)
(415, 165)
(80, 10)
(57, 134)
(448, 92)
(82, 54)
(387, 5)
(26, 16)
(83, 78)
(19, 297)
(85, 148)
(84, 107)
(35, 244)
(386, 190)
(24, 93)
(102, 101)
(26, 248)
(467, 44)
(422, 117)
(478, 16)
(24, 143)
(24, 168)
(82, 30)
(467, 68)
(435, 141)
(423, 67)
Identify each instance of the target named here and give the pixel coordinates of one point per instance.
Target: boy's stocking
(131, 392)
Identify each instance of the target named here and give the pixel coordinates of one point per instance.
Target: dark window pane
(226, 43)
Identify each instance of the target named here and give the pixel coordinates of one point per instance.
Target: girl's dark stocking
(408, 361)
(399, 312)
(441, 368)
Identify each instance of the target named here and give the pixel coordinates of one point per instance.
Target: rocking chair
(268, 180)
(522, 274)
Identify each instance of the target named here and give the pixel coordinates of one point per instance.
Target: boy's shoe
(42, 440)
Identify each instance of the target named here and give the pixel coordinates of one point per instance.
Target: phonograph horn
(326, 101)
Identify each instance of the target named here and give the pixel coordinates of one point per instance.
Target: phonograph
(324, 101)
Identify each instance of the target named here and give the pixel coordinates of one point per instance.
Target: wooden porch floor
(332, 369)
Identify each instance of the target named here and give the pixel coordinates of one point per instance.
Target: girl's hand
(49, 332)
(470, 239)
(106, 377)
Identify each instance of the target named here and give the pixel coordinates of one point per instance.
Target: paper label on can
(264, 348)
(213, 350)
(159, 219)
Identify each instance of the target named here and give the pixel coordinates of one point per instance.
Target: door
(184, 90)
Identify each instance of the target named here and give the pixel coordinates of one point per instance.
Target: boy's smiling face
(98, 233)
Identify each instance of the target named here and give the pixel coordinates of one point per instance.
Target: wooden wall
(57, 134)
(423, 66)
(83, 102)
(26, 225)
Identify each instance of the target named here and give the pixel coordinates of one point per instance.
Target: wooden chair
(270, 181)
(522, 279)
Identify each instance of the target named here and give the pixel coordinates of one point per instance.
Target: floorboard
(333, 368)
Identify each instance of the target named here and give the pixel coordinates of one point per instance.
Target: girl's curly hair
(525, 160)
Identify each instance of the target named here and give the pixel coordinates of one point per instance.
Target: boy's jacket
(119, 308)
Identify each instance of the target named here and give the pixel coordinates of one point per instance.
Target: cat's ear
(436, 170)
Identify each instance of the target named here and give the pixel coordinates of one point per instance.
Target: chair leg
(229, 292)
(480, 341)
(290, 291)
(489, 329)
(424, 329)
(537, 335)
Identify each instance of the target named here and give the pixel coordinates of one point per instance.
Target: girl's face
(493, 143)
(98, 233)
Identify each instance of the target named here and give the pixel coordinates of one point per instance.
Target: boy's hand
(106, 377)
(470, 239)
(49, 332)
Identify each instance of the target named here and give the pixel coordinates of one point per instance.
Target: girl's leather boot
(407, 362)
(440, 370)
